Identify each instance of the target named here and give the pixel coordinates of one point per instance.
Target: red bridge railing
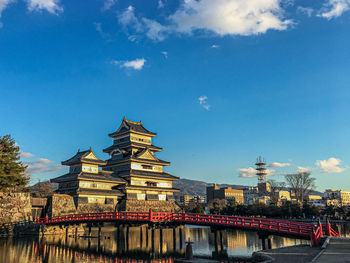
(314, 231)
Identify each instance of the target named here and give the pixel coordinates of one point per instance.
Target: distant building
(86, 182)
(226, 193)
(337, 197)
(184, 199)
(283, 195)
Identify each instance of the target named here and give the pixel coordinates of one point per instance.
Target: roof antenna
(79, 150)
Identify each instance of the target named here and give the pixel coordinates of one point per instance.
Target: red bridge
(311, 231)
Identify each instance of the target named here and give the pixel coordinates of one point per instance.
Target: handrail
(315, 232)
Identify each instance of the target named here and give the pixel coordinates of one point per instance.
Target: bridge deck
(337, 251)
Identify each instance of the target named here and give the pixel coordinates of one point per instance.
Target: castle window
(148, 167)
(151, 184)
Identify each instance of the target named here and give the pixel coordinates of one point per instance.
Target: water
(135, 243)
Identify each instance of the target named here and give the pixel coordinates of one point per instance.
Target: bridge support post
(269, 245)
(180, 237)
(174, 239)
(141, 237)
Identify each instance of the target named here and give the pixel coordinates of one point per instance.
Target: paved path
(293, 254)
(338, 250)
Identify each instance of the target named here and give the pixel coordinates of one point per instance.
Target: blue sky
(221, 82)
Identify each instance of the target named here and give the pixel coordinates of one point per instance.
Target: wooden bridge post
(174, 239)
(180, 237)
(320, 226)
(161, 240)
(328, 228)
(141, 236)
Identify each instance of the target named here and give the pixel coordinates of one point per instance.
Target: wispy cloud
(215, 46)
(52, 6)
(165, 54)
(334, 8)
(277, 164)
(305, 10)
(160, 4)
(251, 172)
(103, 34)
(42, 165)
(26, 154)
(203, 100)
(108, 4)
(136, 64)
(330, 165)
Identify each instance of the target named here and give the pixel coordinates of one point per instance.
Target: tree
(301, 184)
(12, 171)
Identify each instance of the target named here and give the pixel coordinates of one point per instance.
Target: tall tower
(261, 169)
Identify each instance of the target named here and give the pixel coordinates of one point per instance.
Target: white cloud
(247, 172)
(221, 17)
(330, 165)
(108, 4)
(305, 10)
(251, 172)
(42, 165)
(230, 17)
(215, 46)
(136, 64)
(303, 169)
(44, 160)
(3, 6)
(165, 54)
(203, 100)
(26, 154)
(277, 164)
(52, 6)
(334, 8)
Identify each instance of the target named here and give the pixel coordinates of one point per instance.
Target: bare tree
(301, 184)
(275, 188)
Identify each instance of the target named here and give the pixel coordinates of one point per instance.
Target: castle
(132, 179)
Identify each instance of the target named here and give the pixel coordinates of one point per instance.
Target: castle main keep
(132, 179)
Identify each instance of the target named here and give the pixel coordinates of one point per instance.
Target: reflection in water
(141, 243)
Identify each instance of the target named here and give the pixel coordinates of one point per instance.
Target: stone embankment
(14, 207)
(145, 206)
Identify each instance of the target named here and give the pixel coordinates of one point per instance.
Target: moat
(135, 242)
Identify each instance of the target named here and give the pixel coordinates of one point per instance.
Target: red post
(150, 215)
(328, 228)
(320, 227)
(313, 238)
(46, 219)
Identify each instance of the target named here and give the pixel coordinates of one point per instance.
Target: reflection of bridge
(311, 231)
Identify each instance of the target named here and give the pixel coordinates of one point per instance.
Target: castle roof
(84, 157)
(132, 126)
(147, 174)
(101, 176)
(131, 145)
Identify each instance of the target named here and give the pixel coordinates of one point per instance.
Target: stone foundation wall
(95, 208)
(14, 207)
(146, 205)
(60, 205)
